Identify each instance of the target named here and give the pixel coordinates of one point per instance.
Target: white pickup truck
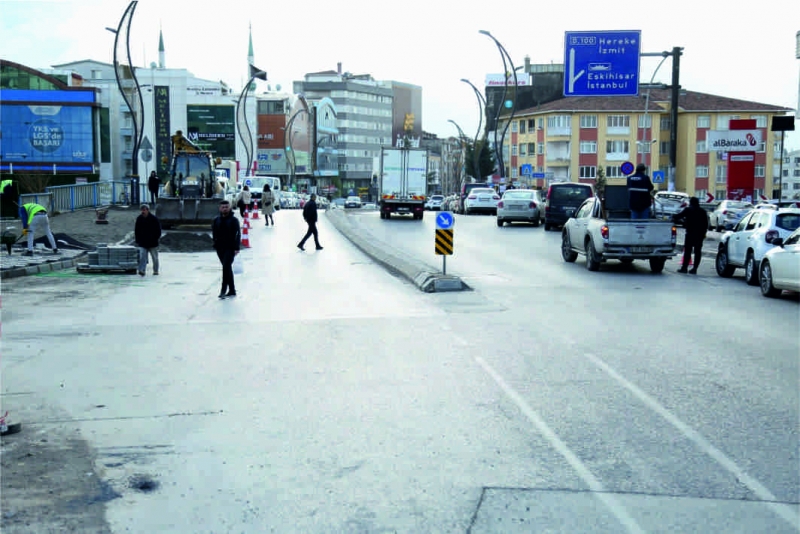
(616, 237)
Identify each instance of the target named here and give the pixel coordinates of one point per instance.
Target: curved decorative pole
(476, 170)
(136, 106)
(461, 137)
(287, 134)
(506, 59)
(241, 117)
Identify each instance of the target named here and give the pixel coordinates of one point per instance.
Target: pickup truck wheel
(750, 270)
(657, 264)
(592, 261)
(724, 269)
(546, 227)
(567, 253)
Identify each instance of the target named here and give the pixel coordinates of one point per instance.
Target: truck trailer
(403, 181)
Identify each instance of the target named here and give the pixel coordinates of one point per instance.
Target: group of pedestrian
(694, 218)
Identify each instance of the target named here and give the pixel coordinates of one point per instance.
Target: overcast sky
(732, 49)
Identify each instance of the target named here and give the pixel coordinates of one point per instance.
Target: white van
(257, 186)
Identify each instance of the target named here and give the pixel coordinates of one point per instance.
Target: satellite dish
(278, 87)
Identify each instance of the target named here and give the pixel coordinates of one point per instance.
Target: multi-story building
(570, 138)
(790, 182)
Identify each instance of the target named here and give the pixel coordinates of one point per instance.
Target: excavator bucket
(169, 211)
(190, 210)
(207, 209)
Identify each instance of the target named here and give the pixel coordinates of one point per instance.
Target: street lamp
(506, 62)
(136, 93)
(241, 116)
(461, 138)
(287, 148)
(476, 171)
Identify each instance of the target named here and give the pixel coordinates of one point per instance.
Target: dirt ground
(80, 225)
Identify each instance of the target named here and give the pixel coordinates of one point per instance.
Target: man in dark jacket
(153, 184)
(227, 241)
(147, 232)
(639, 187)
(695, 221)
(310, 216)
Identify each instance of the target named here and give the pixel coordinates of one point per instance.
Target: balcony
(618, 156)
(618, 130)
(559, 131)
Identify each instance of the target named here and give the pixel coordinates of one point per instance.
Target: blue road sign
(602, 63)
(444, 220)
(526, 169)
(248, 182)
(658, 177)
(538, 175)
(626, 168)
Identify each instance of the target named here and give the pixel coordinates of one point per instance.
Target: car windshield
(518, 195)
(351, 199)
(788, 221)
(569, 193)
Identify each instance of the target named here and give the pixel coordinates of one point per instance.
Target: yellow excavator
(192, 193)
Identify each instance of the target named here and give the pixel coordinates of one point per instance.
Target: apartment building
(791, 175)
(571, 138)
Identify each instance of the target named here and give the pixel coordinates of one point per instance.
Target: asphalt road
(331, 396)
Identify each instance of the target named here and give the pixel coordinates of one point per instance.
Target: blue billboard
(37, 133)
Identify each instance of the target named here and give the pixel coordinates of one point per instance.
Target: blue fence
(61, 198)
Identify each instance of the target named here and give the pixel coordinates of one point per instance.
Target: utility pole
(673, 131)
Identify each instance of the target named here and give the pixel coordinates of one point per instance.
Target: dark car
(562, 200)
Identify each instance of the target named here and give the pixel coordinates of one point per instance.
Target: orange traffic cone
(245, 236)
(255, 210)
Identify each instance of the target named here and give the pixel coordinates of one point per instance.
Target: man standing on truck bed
(639, 187)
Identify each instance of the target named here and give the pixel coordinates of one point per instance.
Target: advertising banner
(733, 140)
(47, 134)
(272, 160)
(212, 128)
(163, 134)
(498, 80)
(741, 164)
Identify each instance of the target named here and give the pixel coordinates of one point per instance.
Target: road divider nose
(425, 277)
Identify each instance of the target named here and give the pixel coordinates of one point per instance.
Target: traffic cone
(245, 236)
(255, 210)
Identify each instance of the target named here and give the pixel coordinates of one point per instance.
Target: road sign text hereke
(602, 63)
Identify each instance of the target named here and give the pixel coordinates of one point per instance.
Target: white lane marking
(588, 478)
(783, 510)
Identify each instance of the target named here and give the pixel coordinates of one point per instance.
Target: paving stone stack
(115, 257)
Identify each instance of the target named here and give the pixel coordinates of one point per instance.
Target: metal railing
(62, 198)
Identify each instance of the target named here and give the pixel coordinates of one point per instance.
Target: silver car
(519, 205)
(728, 214)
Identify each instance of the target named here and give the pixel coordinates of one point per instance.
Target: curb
(53, 266)
(423, 276)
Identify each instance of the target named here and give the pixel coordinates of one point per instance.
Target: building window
(723, 122)
(613, 171)
(761, 120)
(721, 193)
(522, 126)
(643, 147)
(540, 148)
(588, 121)
(531, 148)
(513, 150)
(761, 171)
(514, 172)
(666, 123)
(701, 193)
(796, 173)
(722, 174)
(704, 121)
(795, 186)
(664, 147)
(522, 151)
(618, 121)
(588, 147)
(762, 147)
(541, 124)
(588, 171)
(531, 124)
(701, 171)
(514, 126)
(645, 121)
(701, 147)
(559, 122)
(617, 147)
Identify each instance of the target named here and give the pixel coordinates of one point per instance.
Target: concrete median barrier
(426, 277)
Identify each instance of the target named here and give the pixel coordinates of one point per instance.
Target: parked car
(750, 240)
(434, 202)
(538, 197)
(466, 189)
(562, 200)
(728, 214)
(352, 202)
(481, 199)
(669, 203)
(519, 205)
(780, 268)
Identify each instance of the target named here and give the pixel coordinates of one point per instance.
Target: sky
(737, 50)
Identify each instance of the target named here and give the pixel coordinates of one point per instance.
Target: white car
(434, 203)
(727, 214)
(352, 202)
(669, 203)
(481, 199)
(780, 268)
(750, 240)
(519, 205)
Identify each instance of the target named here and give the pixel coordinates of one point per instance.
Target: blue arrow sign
(248, 182)
(602, 63)
(658, 177)
(538, 175)
(444, 220)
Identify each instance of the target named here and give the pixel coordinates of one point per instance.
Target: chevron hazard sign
(444, 242)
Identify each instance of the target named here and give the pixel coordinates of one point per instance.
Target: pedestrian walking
(147, 233)
(267, 205)
(310, 216)
(153, 184)
(639, 187)
(34, 218)
(243, 201)
(227, 236)
(695, 221)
